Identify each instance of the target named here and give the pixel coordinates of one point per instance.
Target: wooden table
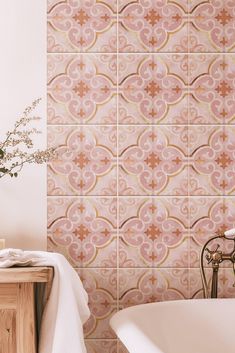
(17, 307)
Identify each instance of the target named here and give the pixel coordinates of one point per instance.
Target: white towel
(67, 307)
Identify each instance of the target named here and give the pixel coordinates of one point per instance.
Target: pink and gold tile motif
(101, 286)
(216, 87)
(180, 26)
(85, 163)
(149, 25)
(152, 88)
(140, 286)
(213, 20)
(86, 229)
(150, 229)
(209, 217)
(176, 89)
(104, 346)
(213, 161)
(225, 283)
(141, 111)
(81, 88)
(143, 26)
(82, 26)
(150, 163)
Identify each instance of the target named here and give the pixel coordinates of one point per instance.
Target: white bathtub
(186, 326)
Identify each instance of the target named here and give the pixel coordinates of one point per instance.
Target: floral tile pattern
(150, 164)
(141, 113)
(85, 162)
(104, 346)
(85, 228)
(140, 286)
(225, 283)
(82, 89)
(209, 217)
(151, 230)
(82, 26)
(195, 26)
(150, 26)
(211, 88)
(101, 286)
(212, 152)
(211, 25)
(152, 88)
(176, 89)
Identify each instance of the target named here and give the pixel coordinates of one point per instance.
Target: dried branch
(12, 158)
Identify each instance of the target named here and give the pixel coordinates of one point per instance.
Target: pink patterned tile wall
(141, 111)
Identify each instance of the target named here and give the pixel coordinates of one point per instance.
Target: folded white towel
(67, 307)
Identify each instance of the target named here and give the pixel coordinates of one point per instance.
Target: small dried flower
(12, 158)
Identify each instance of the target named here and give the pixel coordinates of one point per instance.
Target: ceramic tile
(211, 88)
(50, 4)
(152, 160)
(225, 283)
(150, 26)
(85, 162)
(141, 112)
(122, 348)
(203, 176)
(195, 280)
(84, 230)
(211, 26)
(140, 286)
(226, 160)
(101, 286)
(82, 26)
(101, 346)
(153, 232)
(210, 217)
(206, 221)
(82, 89)
(152, 88)
(212, 166)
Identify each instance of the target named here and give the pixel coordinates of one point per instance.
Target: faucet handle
(214, 256)
(230, 233)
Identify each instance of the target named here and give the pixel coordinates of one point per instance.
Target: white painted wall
(23, 79)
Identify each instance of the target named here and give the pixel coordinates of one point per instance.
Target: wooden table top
(26, 274)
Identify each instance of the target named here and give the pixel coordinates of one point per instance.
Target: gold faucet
(215, 257)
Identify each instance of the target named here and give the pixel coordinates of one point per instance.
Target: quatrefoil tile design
(82, 26)
(86, 162)
(82, 89)
(141, 113)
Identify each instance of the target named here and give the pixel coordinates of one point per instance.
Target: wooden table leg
(25, 321)
(7, 331)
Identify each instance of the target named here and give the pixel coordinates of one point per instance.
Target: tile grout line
(143, 53)
(141, 125)
(188, 151)
(142, 196)
(117, 174)
(141, 268)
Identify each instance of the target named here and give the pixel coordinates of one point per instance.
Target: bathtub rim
(165, 303)
(117, 319)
